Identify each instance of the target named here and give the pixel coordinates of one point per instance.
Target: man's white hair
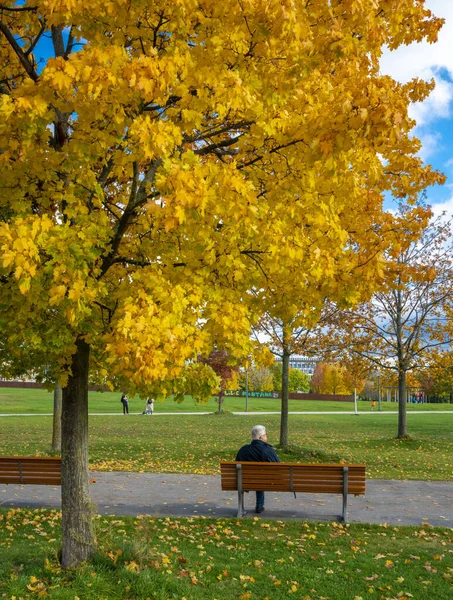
(258, 431)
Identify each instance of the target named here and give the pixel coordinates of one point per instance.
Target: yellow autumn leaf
(24, 285)
(132, 566)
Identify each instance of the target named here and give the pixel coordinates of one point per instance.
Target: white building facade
(302, 363)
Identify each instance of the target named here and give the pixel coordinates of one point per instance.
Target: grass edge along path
(160, 559)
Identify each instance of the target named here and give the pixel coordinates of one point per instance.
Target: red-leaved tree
(219, 361)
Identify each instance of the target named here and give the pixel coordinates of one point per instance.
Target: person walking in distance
(258, 451)
(125, 403)
(149, 408)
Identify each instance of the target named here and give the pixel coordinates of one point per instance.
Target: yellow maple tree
(165, 158)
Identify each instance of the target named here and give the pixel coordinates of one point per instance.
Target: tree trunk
(220, 400)
(56, 432)
(285, 396)
(402, 424)
(78, 537)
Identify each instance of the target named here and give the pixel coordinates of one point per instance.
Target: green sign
(242, 394)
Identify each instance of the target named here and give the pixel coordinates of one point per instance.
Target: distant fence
(335, 397)
(39, 386)
(20, 384)
(228, 393)
(292, 396)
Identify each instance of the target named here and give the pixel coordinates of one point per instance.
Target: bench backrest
(293, 477)
(30, 470)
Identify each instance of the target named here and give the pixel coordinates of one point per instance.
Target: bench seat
(292, 477)
(36, 470)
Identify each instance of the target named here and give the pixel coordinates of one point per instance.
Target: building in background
(302, 363)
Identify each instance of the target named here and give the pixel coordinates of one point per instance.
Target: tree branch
(276, 149)
(26, 63)
(217, 146)
(37, 38)
(137, 197)
(18, 8)
(57, 39)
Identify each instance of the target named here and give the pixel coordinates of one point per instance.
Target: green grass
(163, 559)
(197, 559)
(196, 443)
(36, 401)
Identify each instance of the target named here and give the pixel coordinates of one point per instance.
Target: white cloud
(439, 103)
(444, 207)
(427, 61)
(432, 143)
(409, 61)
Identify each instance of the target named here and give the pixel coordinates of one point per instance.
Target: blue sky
(434, 116)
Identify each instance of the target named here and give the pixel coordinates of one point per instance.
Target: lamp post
(379, 389)
(247, 365)
(246, 389)
(356, 412)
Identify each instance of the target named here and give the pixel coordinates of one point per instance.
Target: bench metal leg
(19, 464)
(345, 494)
(241, 510)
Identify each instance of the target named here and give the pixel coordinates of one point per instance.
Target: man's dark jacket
(257, 451)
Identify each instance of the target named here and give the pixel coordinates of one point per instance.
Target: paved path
(159, 495)
(246, 414)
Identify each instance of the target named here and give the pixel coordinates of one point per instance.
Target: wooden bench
(37, 470)
(292, 477)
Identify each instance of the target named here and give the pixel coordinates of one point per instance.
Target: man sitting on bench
(258, 451)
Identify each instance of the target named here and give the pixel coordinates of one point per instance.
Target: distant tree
(353, 381)
(18, 360)
(330, 379)
(398, 329)
(436, 376)
(298, 381)
(317, 379)
(355, 372)
(334, 380)
(221, 363)
(295, 334)
(260, 380)
(367, 390)
(276, 371)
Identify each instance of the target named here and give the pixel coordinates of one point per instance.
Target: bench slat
(30, 459)
(35, 470)
(29, 470)
(298, 476)
(325, 489)
(250, 482)
(32, 480)
(289, 464)
(296, 467)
